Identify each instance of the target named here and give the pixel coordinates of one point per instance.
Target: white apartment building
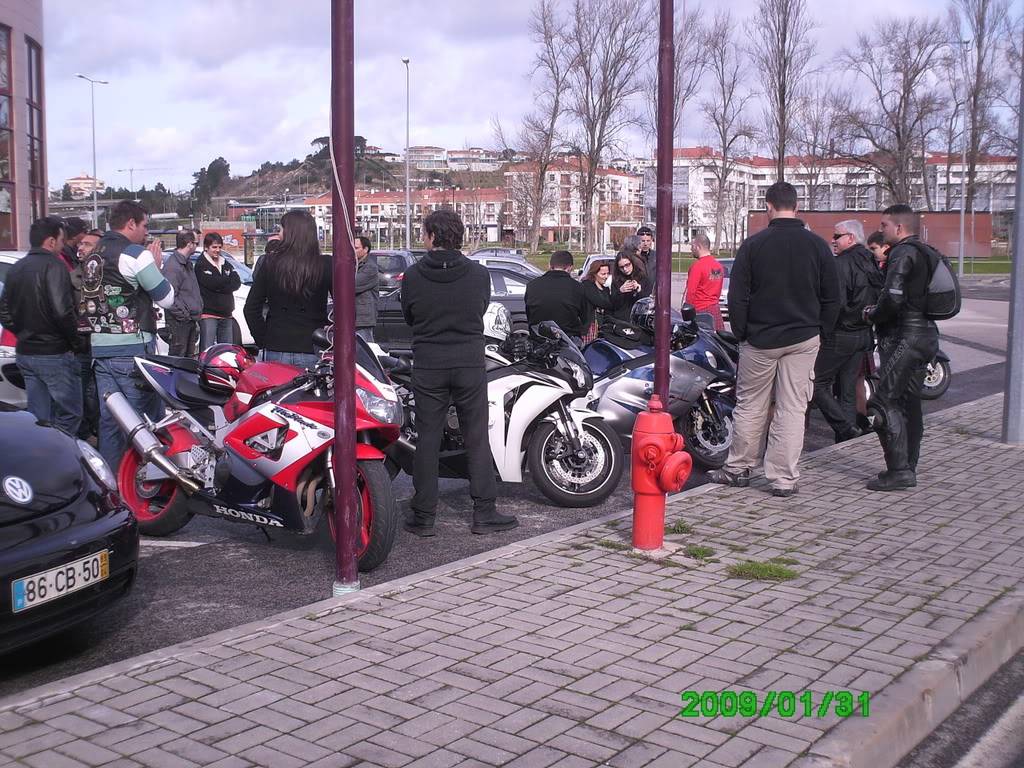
(428, 158)
(82, 186)
(474, 159)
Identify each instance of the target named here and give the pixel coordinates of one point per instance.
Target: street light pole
(408, 211)
(92, 100)
(963, 161)
(1013, 401)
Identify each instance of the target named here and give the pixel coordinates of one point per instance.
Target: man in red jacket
(704, 281)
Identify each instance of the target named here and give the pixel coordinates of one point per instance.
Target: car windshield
(389, 262)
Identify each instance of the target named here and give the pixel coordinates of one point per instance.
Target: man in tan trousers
(783, 295)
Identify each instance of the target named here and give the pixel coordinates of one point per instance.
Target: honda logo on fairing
(247, 516)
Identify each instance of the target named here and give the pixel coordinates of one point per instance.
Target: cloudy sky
(249, 79)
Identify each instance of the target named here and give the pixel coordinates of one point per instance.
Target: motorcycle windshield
(368, 361)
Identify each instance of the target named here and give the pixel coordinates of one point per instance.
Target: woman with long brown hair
(597, 290)
(629, 284)
(288, 299)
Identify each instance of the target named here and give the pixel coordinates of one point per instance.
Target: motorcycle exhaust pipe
(145, 442)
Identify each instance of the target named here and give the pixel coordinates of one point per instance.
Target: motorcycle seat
(190, 393)
(187, 364)
(728, 337)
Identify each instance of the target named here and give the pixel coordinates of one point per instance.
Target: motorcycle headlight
(97, 466)
(384, 409)
(712, 360)
(579, 374)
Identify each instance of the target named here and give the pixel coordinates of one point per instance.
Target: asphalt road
(215, 574)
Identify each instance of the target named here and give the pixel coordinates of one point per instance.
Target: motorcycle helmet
(221, 365)
(642, 314)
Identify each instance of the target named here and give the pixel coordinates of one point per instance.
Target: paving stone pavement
(571, 650)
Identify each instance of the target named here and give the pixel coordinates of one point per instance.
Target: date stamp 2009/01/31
(784, 703)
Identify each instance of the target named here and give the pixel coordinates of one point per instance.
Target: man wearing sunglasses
(842, 351)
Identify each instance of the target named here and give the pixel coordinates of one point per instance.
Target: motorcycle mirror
(547, 330)
(321, 339)
(688, 313)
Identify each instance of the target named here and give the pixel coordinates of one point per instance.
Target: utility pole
(963, 160)
(92, 99)
(408, 210)
(1013, 400)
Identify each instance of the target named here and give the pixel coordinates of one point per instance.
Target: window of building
(36, 167)
(8, 238)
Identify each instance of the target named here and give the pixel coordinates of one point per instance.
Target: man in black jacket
(842, 352)
(444, 298)
(182, 319)
(905, 352)
(783, 295)
(37, 305)
(557, 295)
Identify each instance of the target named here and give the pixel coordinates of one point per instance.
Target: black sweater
(783, 286)
(290, 320)
(444, 298)
(598, 297)
(217, 287)
(556, 295)
(860, 280)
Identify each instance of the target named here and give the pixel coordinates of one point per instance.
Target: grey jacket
(179, 271)
(367, 278)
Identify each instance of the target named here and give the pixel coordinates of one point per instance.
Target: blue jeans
(215, 330)
(90, 403)
(113, 374)
(53, 386)
(298, 359)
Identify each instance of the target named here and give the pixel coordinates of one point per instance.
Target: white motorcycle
(538, 383)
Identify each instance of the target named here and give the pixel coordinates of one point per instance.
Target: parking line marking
(170, 544)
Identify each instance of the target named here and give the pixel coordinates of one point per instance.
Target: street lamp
(408, 212)
(92, 99)
(963, 159)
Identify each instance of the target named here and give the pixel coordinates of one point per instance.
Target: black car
(391, 265)
(68, 545)
(392, 333)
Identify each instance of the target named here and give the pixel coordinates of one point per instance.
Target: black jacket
(290, 321)
(217, 287)
(444, 298)
(598, 297)
(622, 303)
(902, 300)
(783, 286)
(38, 306)
(557, 295)
(860, 280)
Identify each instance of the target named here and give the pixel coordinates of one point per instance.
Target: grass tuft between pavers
(752, 570)
(679, 527)
(615, 546)
(699, 552)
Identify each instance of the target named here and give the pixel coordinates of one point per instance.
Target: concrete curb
(915, 704)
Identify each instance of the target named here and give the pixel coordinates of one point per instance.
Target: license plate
(48, 585)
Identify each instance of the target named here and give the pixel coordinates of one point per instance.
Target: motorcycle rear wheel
(378, 515)
(553, 470)
(161, 507)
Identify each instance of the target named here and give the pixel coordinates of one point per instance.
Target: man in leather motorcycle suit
(910, 341)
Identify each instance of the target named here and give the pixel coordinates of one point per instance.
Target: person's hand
(625, 287)
(867, 312)
(158, 254)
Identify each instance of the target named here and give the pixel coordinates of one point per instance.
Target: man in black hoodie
(842, 352)
(783, 295)
(444, 298)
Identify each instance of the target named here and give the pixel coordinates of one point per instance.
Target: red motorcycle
(253, 442)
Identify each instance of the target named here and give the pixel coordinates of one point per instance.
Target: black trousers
(839, 360)
(184, 335)
(897, 399)
(434, 391)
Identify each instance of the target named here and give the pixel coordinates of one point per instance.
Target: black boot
(492, 521)
(893, 481)
(721, 477)
(420, 523)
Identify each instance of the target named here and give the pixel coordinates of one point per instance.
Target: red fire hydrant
(660, 466)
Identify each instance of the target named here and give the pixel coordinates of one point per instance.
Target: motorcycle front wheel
(160, 506)
(571, 478)
(376, 513)
(936, 380)
(707, 440)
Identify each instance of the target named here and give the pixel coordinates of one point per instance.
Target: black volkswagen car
(508, 287)
(68, 545)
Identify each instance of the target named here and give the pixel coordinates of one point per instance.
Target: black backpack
(942, 300)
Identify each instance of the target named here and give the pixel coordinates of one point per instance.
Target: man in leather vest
(905, 351)
(121, 280)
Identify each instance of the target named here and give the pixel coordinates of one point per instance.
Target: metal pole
(408, 209)
(95, 205)
(963, 197)
(1013, 401)
(663, 246)
(346, 575)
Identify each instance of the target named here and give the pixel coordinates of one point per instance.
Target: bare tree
(606, 41)
(538, 135)
(782, 50)
(691, 62)
(725, 108)
(884, 132)
(979, 22)
(1006, 138)
(816, 131)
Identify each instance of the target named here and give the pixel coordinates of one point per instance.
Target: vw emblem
(17, 490)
